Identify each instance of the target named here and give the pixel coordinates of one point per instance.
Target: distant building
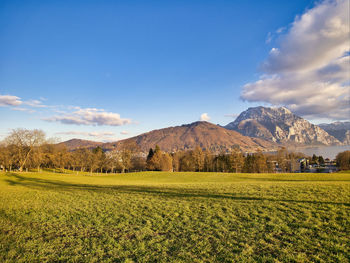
(300, 165)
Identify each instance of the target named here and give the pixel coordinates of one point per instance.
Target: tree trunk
(25, 160)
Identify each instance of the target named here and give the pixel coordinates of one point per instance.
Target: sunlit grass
(182, 217)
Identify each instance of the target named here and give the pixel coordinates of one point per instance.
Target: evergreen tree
(154, 163)
(320, 160)
(150, 154)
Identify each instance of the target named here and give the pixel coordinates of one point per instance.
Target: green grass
(174, 217)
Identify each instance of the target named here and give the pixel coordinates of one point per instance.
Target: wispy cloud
(23, 109)
(89, 134)
(309, 71)
(90, 116)
(35, 103)
(232, 115)
(124, 132)
(9, 100)
(268, 38)
(273, 35)
(205, 117)
(101, 136)
(280, 30)
(14, 102)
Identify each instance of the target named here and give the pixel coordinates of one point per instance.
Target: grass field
(174, 217)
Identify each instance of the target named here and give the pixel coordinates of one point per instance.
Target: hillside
(280, 125)
(203, 134)
(74, 144)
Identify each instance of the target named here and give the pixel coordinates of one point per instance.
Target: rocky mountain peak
(340, 130)
(279, 125)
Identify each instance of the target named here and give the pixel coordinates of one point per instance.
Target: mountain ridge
(204, 134)
(185, 137)
(260, 127)
(75, 143)
(280, 125)
(339, 130)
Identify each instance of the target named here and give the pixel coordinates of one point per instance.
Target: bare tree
(236, 160)
(7, 157)
(61, 157)
(343, 160)
(198, 157)
(99, 159)
(113, 161)
(25, 141)
(36, 158)
(127, 150)
(166, 162)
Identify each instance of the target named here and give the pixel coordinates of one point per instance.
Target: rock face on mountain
(339, 130)
(203, 134)
(280, 125)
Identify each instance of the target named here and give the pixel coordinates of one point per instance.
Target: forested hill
(204, 134)
(74, 144)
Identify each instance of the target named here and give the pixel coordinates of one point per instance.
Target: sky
(109, 70)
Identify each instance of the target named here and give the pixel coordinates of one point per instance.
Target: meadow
(174, 217)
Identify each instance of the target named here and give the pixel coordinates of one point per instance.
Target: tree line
(29, 149)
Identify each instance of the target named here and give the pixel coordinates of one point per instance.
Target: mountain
(74, 144)
(280, 125)
(340, 130)
(203, 134)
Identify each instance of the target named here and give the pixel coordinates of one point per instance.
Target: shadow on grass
(43, 184)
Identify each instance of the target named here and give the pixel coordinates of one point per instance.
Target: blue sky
(155, 63)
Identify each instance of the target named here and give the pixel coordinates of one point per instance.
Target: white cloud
(14, 101)
(124, 132)
(90, 116)
(205, 117)
(35, 104)
(268, 38)
(9, 100)
(280, 30)
(309, 71)
(23, 109)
